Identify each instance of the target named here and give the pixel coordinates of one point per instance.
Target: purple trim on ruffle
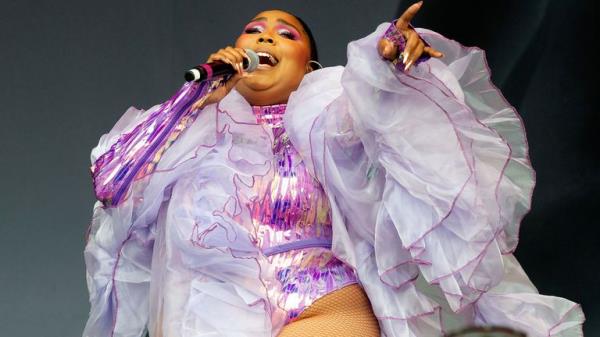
(484, 250)
(197, 237)
(519, 118)
(114, 293)
(501, 175)
(576, 306)
(450, 93)
(521, 124)
(412, 245)
(428, 313)
(219, 129)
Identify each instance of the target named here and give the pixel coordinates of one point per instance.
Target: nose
(265, 40)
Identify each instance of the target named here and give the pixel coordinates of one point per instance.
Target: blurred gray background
(69, 69)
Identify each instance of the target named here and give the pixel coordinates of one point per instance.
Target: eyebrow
(262, 18)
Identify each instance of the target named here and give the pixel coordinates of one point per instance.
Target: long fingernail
(408, 65)
(405, 57)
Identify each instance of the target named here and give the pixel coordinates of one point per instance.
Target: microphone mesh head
(252, 60)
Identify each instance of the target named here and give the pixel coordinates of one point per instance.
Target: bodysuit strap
(298, 244)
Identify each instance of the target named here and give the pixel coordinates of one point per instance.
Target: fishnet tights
(343, 313)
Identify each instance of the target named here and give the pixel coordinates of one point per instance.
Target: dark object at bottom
(487, 331)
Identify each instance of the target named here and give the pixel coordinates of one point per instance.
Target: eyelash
(252, 30)
(285, 33)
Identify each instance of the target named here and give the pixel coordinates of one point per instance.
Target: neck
(262, 97)
(269, 114)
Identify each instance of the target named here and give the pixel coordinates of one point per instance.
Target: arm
(118, 252)
(135, 154)
(141, 171)
(133, 149)
(436, 191)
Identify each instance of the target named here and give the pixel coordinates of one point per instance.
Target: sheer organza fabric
(428, 176)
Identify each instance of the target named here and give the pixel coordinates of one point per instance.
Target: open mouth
(266, 59)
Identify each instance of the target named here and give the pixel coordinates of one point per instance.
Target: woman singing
(382, 198)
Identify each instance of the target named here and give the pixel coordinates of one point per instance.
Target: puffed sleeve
(429, 175)
(119, 248)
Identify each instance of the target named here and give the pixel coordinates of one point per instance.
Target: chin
(266, 87)
(258, 95)
(259, 82)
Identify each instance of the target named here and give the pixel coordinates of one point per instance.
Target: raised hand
(230, 55)
(415, 46)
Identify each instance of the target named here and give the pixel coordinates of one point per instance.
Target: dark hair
(314, 54)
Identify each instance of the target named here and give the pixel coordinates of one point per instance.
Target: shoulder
(319, 84)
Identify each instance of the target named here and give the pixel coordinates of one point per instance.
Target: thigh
(345, 312)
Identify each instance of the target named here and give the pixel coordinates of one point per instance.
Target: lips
(265, 58)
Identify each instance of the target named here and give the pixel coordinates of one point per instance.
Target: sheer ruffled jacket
(428, 176)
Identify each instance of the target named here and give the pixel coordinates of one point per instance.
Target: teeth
(271, 58)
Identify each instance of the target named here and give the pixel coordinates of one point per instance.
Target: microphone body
(216, 69)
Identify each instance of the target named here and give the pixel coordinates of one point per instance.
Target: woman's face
(280, 35)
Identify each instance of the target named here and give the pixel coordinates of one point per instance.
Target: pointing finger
(408, 15)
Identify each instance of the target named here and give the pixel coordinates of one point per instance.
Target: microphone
(214, 69)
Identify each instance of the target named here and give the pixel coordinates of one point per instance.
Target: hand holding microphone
(237, 62)
(224, 62)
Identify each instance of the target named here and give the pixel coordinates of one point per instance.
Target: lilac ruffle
(427, 175)
(430, 174)
(181, 242)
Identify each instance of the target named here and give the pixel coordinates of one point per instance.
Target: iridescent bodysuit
(292, 217)
(452, 183)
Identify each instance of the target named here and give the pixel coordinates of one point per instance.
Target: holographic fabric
(292, 217)
(136, 153)
(428, 202)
